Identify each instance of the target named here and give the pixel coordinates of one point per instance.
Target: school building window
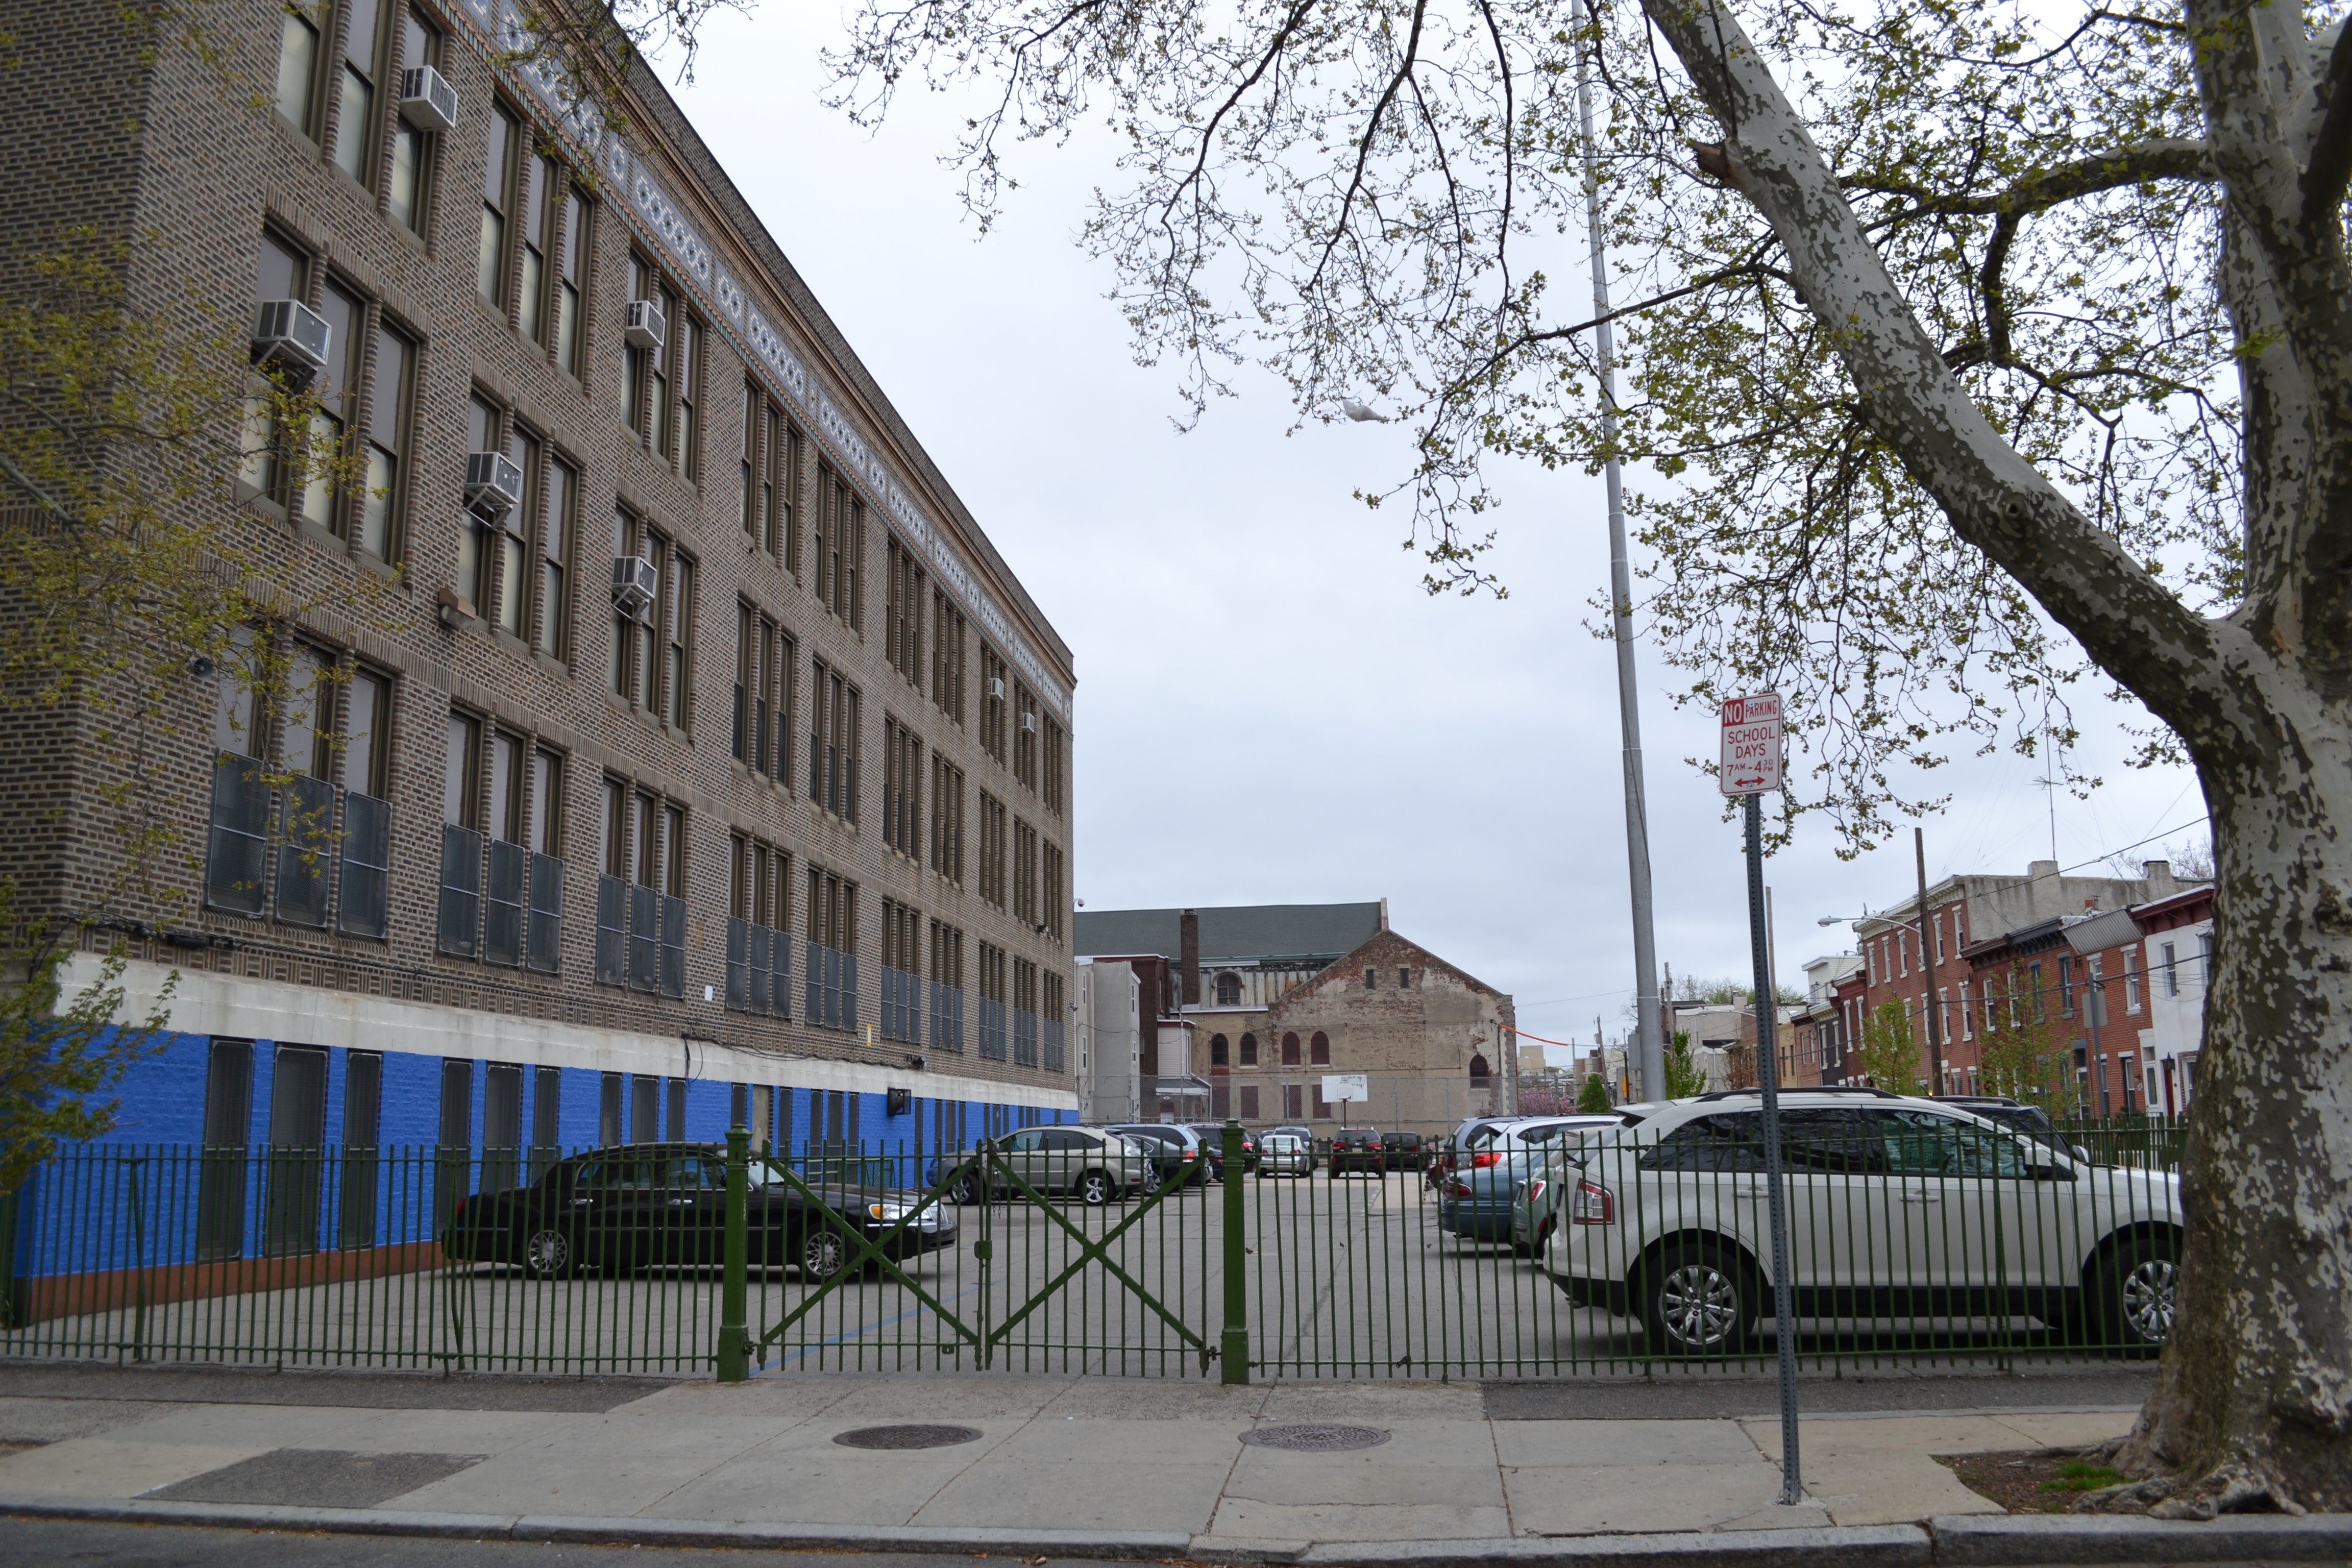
(764, 672)
(947, 820)
(949, 634)
(833, 742)
(772, 447)
(640, 892)
(994, 825)
(759, 952)
(838, 545)
(902, 789)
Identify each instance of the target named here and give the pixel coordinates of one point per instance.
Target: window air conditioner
(634, 582)
(493, 484)
(1028, 723)
(995, 689)
(644, 327)
(292, 338)
(428, 102)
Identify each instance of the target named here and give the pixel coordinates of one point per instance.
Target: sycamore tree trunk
(2252, 1403)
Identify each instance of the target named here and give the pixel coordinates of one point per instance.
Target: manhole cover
(906, 1436)
(1315, 1438)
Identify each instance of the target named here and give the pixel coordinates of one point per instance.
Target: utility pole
(1650, 1041)
(1927, 970)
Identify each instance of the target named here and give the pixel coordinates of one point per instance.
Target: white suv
(1898, 1208)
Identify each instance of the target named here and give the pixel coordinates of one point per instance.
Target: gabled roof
(1344, 967)
(1233, 933)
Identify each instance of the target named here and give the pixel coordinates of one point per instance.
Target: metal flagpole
(1649, 1043)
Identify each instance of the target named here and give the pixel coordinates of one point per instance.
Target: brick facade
(1419, 1028)
(206, 173)
(2069, 947)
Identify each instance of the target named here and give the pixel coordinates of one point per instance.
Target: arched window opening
(1319, 1048)
(1478, 1072)
(1217, 1050)
(1290, 1050)
(1229, 990)
(1249, 1050)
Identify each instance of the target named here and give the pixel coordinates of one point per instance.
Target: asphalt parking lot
(1346, 1277)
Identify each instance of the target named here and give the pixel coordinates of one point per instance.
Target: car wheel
(1150, 1178)
(823, 1254)
(547, 1253)
(1698, 1300)
(1094, 1189)
(965, 1190)
(2135, 1291)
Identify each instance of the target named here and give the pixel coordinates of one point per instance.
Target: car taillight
(1461, 1189)
(1535, 1190)
(1483, 1161)
(1593, 1206)
(1189, 1154)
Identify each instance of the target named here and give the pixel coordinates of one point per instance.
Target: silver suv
(1898, 1208)
(1088, 1163)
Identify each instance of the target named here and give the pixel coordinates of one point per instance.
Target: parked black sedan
(1180, 1158)
(1357, 1150)
(644, 1205)
(1402, 1150)
(1213, 1147)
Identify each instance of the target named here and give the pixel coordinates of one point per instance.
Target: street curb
(1961, 1540)
(581, 1531)
(1997, 1541)
(586, 1530)
(1830, 1546)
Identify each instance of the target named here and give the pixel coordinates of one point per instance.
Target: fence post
(1233, 1354)
(734, 1334)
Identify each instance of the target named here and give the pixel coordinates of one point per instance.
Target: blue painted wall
(79, 1214)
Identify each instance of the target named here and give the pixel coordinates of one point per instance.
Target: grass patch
(2030, 1480)
(2081, 1476)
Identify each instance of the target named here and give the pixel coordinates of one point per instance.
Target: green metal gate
(1029, 1280)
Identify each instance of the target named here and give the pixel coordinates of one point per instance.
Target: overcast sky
(1270, 709)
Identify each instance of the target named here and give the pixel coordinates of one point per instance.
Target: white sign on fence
(1340, 1086)
(1751, 745)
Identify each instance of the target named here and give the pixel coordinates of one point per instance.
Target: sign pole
(1752, 765)
(1767, 1077)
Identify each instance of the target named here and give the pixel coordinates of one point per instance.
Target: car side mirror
(2082, 1153)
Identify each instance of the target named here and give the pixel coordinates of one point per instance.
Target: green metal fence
(699, 1260)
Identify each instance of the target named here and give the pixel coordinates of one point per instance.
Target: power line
(2135, 844)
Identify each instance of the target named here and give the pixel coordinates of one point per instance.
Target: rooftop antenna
(2050, 787)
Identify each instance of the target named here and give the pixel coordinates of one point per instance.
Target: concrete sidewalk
(1071, 1466)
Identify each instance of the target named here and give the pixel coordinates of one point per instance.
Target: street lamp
(1843, 920)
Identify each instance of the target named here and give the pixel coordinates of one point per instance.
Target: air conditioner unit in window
(995, 689)
(1028, 723)
(428, 102)
(634, 582)
(292, 338)
(644, 327)
(493, 484)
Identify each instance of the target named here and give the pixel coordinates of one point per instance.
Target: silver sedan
(1285, 1154)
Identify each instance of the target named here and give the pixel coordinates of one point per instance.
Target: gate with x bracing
(1040, 1253)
